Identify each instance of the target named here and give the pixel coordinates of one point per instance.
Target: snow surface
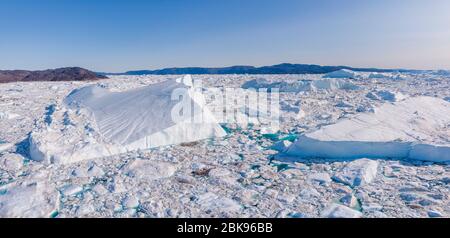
(407, 129)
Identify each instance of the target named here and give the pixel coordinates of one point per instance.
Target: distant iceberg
(415, 128)
(5, 146)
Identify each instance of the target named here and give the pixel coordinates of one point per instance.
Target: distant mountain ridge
(61, 74)
(274, 69)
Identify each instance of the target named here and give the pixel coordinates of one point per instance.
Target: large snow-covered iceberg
(123, 121)
(415, 128)
(300, 86)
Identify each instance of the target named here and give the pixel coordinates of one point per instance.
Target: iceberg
(293, 87)
(415, 128)
(137, 119)
(342, 73)
(332, 84)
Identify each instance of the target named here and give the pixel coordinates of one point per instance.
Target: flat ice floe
(415, 128)
(94, 122)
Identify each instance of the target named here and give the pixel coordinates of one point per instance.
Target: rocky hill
(61, 74)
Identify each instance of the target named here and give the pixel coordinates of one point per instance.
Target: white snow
(416, 128)
(342, 73)
(121, 121)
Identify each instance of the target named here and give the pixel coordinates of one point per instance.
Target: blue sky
(115, 36)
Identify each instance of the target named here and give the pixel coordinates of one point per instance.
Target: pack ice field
(348, 144)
